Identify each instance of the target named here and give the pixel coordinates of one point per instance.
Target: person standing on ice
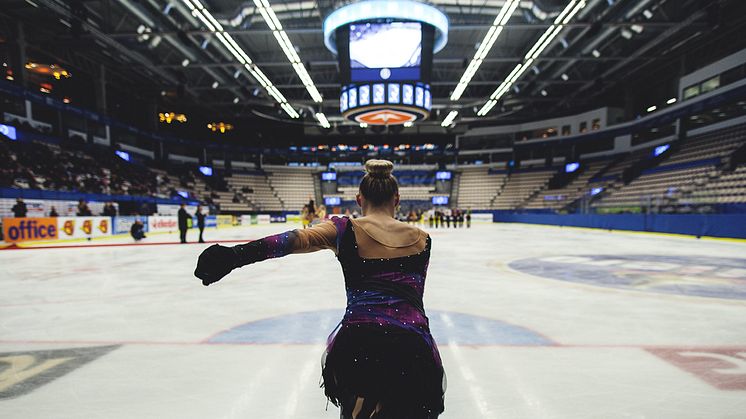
(200, 222)
(183, 224)
(381, 361)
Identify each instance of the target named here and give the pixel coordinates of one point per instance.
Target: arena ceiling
(158, 45)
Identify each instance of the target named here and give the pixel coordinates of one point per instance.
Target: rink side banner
(123, 224)
(29, 229)
(210, 222)
(223, 221)
(163, 223)
(83, 227)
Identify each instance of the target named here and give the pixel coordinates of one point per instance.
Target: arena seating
(520, 186)
(294, 186)
(414, 184)
(696, 172)
(685, 177)
(725, 188)
(251, 191)
(556, 199)
(477, 187)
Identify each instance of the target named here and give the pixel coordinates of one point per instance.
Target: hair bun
(379, 168)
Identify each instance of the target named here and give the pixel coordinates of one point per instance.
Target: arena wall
(714, 225)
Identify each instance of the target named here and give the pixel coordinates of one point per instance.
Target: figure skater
(381, 361)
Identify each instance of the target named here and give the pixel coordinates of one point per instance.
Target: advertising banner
(277, 219)
(83, 227)
(122, 224)
(160, 223)
(28, 229)
(224, 221)
(210, 222)
(293, 218)
(263, 219)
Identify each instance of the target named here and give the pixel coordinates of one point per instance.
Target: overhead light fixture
(169, 117)
(565, 77)
(199, 11)
(637, 28)
(235, 100)
(535, 69)
(485, 46)
(647, 13)
(287, 47)
(626, 34)
(221, 127)
(541, 44)
(185, 62)
(408, 124)
(671, 101)
(215, 84)
(544, 92)
(652, 108)
(363, 125)
(596, 53)
(237, 74)
(449, 119)
(322, 120)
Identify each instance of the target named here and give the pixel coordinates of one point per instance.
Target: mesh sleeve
(319, 237)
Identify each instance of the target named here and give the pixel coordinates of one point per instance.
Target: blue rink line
(313, 327)
(696, 276)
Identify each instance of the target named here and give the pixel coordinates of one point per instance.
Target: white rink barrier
(83, 227)
(481, 218)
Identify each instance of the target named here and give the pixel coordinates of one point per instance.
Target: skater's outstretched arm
(217, 261)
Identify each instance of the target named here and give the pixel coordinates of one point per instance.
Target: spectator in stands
(83, 210)
(183, 225)
(468, 218)
(137, 231)
(53, 212)
(109, 210)
(200, 222)
(19, 209)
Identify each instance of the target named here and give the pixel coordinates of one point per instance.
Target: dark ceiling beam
(493, 83)
(453, 28)
(449, 61)
(687, 24)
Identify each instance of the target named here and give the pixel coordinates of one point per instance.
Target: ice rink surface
(532, 322)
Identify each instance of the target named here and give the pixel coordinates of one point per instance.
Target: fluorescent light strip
(484, 48)
(200, 12)
(322, 120)
(449, 119)
(265, 9)
(541, 44)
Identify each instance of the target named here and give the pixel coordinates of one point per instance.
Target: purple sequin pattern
(392, 312)
(278, 245)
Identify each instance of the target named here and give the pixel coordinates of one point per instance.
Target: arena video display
(385, 51)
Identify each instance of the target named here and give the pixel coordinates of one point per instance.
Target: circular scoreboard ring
(386, 114)
(392, 103)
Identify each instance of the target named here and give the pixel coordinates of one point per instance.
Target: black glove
(215, 262)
